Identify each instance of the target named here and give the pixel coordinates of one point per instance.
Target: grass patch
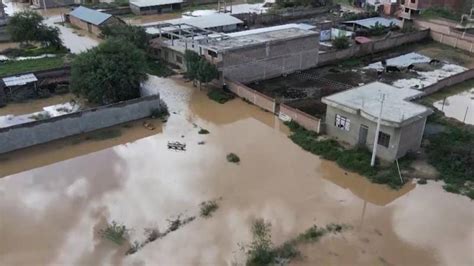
(104, 134)
(220, 96)
(440, 12)
(203, 131)
(451, 153)
(233, 158)
(158, 68)
(208, 207)
(115, 232)
(16, 52)
(261, 250)
(355, 160)
(15, 67)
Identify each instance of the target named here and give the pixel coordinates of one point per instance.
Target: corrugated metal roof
(369, 22)
(145, 3)
(90, 15)
(19, 80)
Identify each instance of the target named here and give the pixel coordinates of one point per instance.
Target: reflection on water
(459, 106)
(52, 213)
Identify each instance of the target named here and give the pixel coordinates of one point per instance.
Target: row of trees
(27, 27)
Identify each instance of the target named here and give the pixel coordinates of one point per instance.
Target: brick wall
(305, 120)
(251, 95)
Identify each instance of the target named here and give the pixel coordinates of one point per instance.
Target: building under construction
(243, 56)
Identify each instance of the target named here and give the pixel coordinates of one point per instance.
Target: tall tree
(134, 34)
(206, 72)
(27, 26)
(110, 72)
(192, 60)
(24, 26)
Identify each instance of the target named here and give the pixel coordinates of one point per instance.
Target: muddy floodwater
(55, 198)
(459, 106)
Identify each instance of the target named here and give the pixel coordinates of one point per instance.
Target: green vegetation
(422, 181)
(27, 26)
(133, 34)
(299, 3)
(233, 158)
(451, 153)
(341, 42)
(199, 69)
(108, 73)
(115, 232)
(261, 251)
(203, 131)
(378, 29)
(440, 12)
(356, 16)
(356, 160)
(220, 96)
(40, 116)
(15, 67)
(160, 113)
(33, 51)
(158, 68)
(208, 207)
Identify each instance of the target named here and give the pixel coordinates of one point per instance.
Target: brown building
(91, 20)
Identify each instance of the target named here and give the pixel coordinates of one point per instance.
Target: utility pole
(374, 150)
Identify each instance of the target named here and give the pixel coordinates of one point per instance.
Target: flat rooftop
(209, 21)
(366, 100)
(257, 36)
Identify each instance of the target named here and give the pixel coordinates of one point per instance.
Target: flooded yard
(54, 198)
(456, 101)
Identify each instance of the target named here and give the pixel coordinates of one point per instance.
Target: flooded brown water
(51, 214)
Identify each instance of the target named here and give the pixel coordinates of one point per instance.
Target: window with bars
(384, 139)
(343, 123)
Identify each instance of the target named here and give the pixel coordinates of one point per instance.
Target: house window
(179, 59)
(413, 1)
(343, 123)
(384, 139)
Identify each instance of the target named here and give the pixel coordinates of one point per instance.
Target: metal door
(363, 131)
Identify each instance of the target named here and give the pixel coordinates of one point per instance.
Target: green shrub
(208, 207)
(203, 131)
(115, 232)
(233, 158)
(422, 181)
(341, 42)
(220, 96)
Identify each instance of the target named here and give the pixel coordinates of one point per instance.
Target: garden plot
(427, 71)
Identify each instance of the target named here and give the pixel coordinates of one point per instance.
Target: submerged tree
(198, 68)
(341, 42)
(27, 26)
(108, 73)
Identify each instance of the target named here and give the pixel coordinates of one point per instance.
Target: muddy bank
(52, 213)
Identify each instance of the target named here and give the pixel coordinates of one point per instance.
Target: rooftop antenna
(377, 130)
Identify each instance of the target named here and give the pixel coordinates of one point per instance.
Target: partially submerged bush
(208, 207)
(203, 131)
(220, 96)
(341, 42)
(422, 181)
(115, 232)
(233, 158)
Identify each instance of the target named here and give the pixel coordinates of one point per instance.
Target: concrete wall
(402, 140)
(251, 95)
(37, 132)
(270, 60)
(449, 81)
(305, 120)
(444, 32)
(372, 47)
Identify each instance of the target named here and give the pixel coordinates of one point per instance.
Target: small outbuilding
(351, 117)
(91, 20)
(148, 7)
